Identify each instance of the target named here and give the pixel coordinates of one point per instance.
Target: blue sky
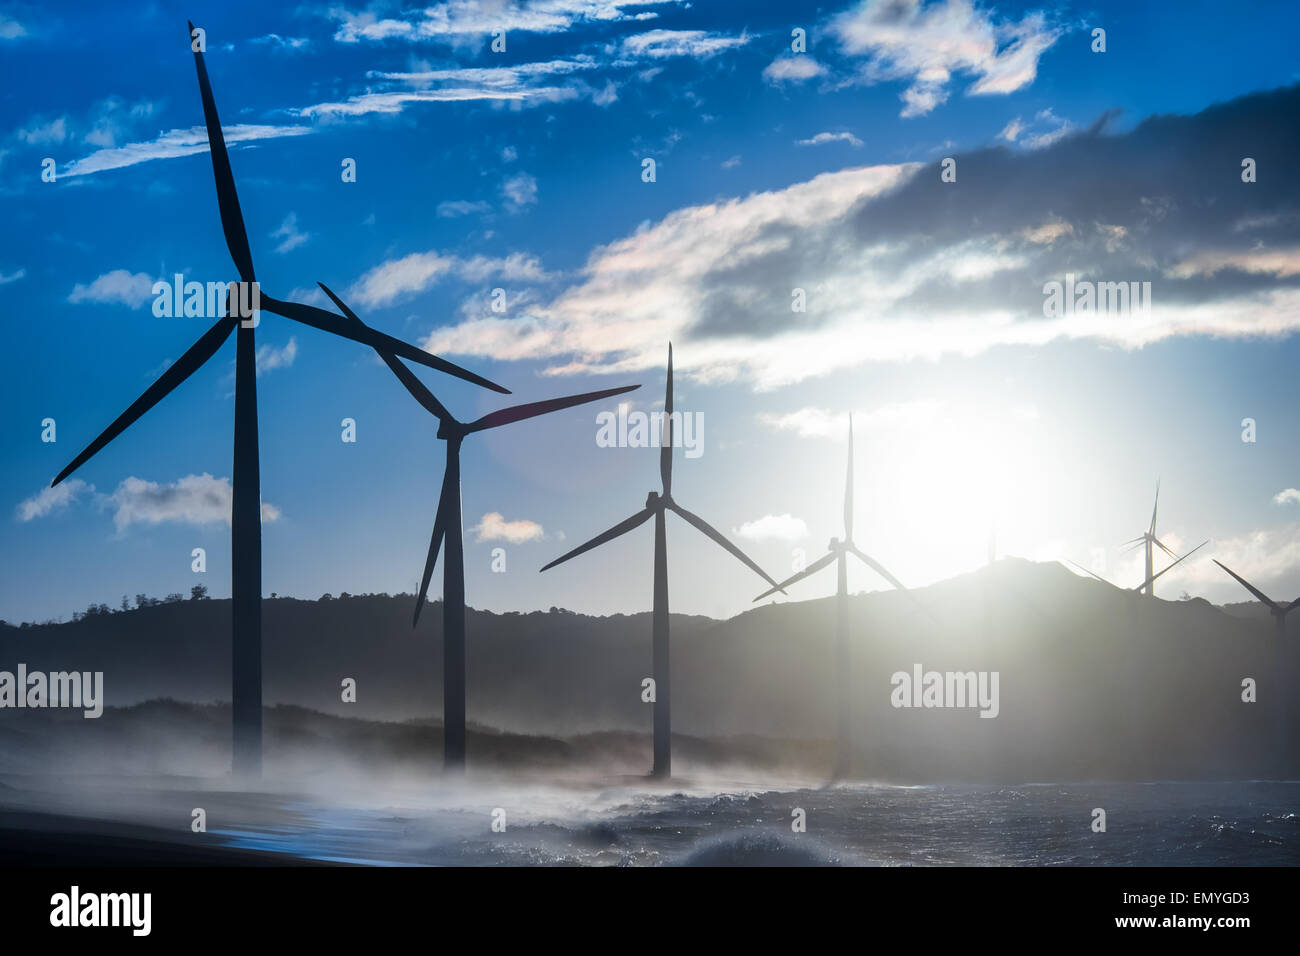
(522, 170)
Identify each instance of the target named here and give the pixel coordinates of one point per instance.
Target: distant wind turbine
(1149, 540)
(246, 517)
(1279, 611)
(656, 506)
(447, 524)
(838, 551)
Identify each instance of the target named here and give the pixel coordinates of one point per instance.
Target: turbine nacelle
(654, 501)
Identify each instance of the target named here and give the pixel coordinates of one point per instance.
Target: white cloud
(48, 500)
(12, 277)
(11, 29)
(45, 133)
(814, 422)
(1059, 128)
(662, 44)
(173, 143)
(269, 358)
(823, 138)
(194, 499)
(926, 43)
(493, 527)
(520, 190)
(730, 163)
(402, 278)
(290, 234)
(1287, 496)
(284, 44)
(792, 69)
(782, 527)
(472, 21)
(509, 154)
(397, 101)
(1012, 130)
(451, 208)
(113, 119)
(119, 286)
(890, 273)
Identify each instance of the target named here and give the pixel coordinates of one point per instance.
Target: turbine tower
(657, 505)
(447, 524)
(838, 551)
(246, 506)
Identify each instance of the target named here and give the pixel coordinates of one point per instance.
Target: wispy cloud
(822, 139)
(926, 43)
(290, 235)
(116, 287)
(172, 144)
(1287, 496)
(402, 278)
(471, 21)
(12, 276)
(451, 208)
(283, 44)
(11, 29)
(520, 190)
(663, 44)
(269, 358)
(49, 500)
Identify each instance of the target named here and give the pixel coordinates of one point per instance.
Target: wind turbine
(246, 505)
(657, 505)
(447, 524)
(1279, 611)
(838, 551)
(1284, 701)
(1149, 540)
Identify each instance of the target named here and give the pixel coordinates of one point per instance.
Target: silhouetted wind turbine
(838, 551)
(1149, 540)
(447, 524)
(246, 505)
(1284, 699)
(656, 506)
(1279, 611)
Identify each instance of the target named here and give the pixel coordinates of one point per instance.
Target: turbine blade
(404, 375)
(666, 449)
(329, 322)
(806, 572)
(1093, 573)
(1154, 508)
(848, 488)
(435, 545)
(1176, 563)
(1161, 545)
(878, 568)
(177, 372)
(505, 416)
(232, 220)
(623, 527)
(1292, 606)
(1138, 540)
(707, 529)
(1247, 585)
